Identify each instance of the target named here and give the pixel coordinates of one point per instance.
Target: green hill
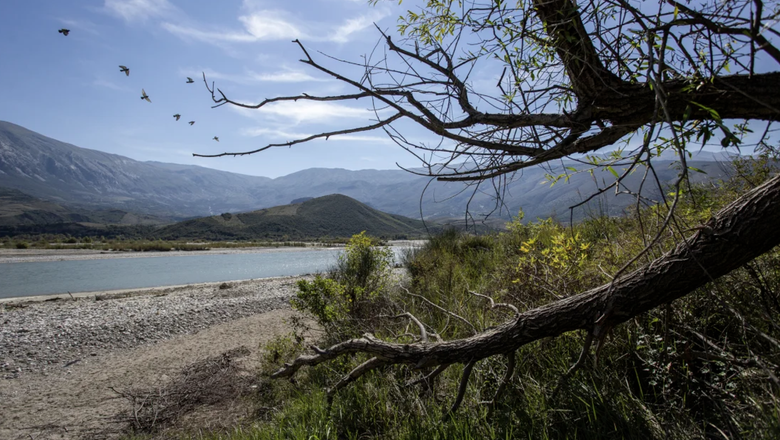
(329, 216)
(20, 211)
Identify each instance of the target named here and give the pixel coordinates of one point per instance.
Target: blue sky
(70, 88)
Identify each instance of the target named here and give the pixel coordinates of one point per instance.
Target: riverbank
(42, 255)
(62, 360)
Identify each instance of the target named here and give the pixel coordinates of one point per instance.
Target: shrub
(363, 267)
(346, 295)
(22, 245)
(324, 298)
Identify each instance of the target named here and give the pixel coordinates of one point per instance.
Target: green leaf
(713, 113)
(614, 173)
(687, 113)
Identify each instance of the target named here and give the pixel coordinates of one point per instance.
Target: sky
(70, 88)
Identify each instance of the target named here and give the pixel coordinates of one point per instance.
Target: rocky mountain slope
(76, 177)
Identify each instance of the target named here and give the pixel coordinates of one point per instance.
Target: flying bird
(177, 116)
(124, 69)
(189, 80)
(64, 31)
(216, 138)
(192, 122)
(144, 95)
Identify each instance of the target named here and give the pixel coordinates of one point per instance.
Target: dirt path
(77, 401)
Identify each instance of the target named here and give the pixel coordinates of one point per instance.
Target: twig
(440, 308)
(423, 333)
(358, 371)
(494, 304)
(464, 381)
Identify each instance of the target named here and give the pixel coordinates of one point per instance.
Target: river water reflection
(52, 277)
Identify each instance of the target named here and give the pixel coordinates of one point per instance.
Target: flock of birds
(126, 71)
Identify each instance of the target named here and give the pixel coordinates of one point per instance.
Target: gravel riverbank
(63, 361)
(44, 335)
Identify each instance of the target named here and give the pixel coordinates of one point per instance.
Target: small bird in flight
(216, 138)
(189, 80)
(64, 31)
(192, 122)
(144, 95)
(124, 69)
(177, 116)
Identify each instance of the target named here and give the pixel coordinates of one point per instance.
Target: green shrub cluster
(343, 301)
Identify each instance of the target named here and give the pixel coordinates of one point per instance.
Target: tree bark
(742, 231)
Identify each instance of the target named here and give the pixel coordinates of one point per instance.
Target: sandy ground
(78, 401)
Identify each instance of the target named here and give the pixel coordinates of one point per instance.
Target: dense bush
(345, 299)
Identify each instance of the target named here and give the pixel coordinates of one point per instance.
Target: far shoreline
(10, 256)
(36, 255)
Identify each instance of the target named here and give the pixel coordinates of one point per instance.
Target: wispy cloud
(139, 10)
(263, 25)
(282, 134)
(275, 25)
(308, 112)
(343, 33)
(191, 33)
(271, 25)
(286, 75)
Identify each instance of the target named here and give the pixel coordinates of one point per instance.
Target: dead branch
(464, 382)
(494, 305)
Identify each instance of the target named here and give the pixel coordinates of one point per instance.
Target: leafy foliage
(339, 301)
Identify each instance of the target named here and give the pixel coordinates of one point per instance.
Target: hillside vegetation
(704, 366)
(329, 216)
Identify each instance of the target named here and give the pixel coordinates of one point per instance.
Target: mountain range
(84, 179)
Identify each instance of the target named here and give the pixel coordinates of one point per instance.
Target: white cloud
(289, 136)
(275, 25)
(185, 32)
(258, 26)
(133, 10)
(287, 75)
(343, 33)
(274, 133)
(270, 25)
(313, 111)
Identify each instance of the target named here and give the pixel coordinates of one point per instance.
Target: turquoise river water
(53, 277)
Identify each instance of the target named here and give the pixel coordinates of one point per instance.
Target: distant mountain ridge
(76, 177)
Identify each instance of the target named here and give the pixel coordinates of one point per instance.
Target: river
(95, 274)
(89, 275)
